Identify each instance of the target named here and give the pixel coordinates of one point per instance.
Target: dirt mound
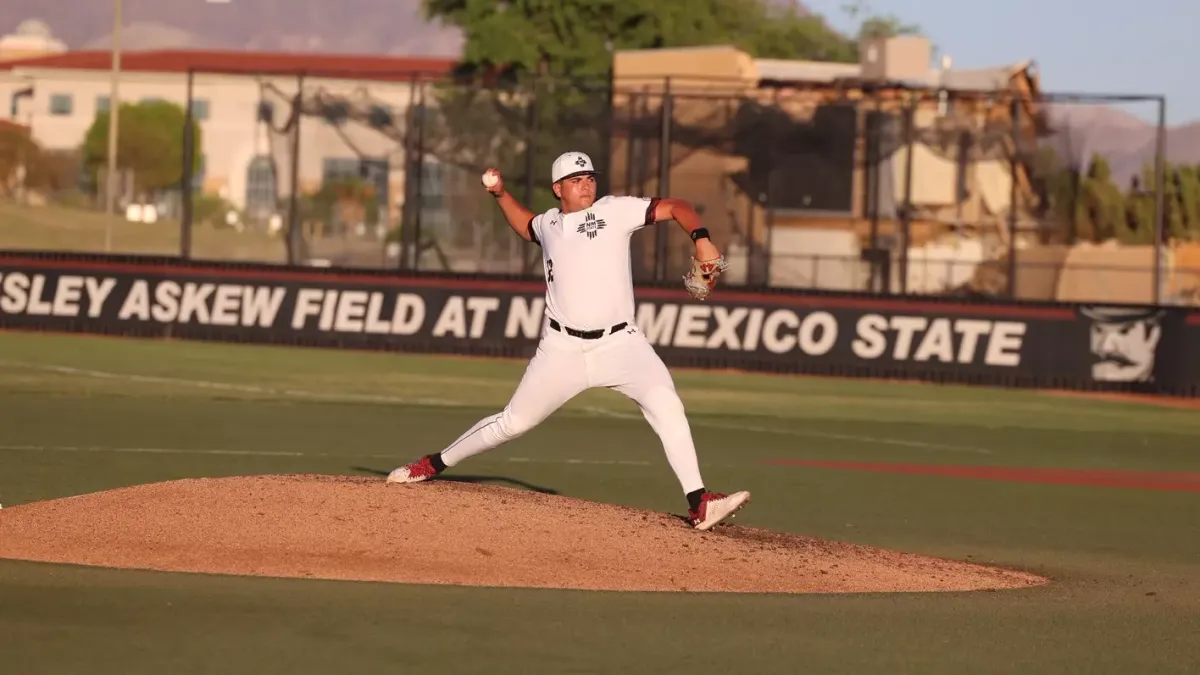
(441, 532)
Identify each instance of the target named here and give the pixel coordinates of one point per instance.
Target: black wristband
(699, 233)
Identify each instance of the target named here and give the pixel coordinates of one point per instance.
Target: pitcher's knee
(662, 404)
(511, 425)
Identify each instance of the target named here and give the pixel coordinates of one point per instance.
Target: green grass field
(60, 228)
(83, 414)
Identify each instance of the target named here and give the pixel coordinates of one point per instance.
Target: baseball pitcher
(590, 337)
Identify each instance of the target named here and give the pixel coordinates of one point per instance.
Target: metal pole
(416, 235)
(633, 101)
(114, 107)
(185, 187)
(643, 146)
(1160, 211)
(410, 167)
(664, 181)
(871, 160)
(906, 209)
(606, 178)
(768, 202)
(1012, 198)
(294, 198)
(531, 131)
(633, 144)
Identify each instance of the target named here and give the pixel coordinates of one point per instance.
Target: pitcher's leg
(635, 370)
(553, 377)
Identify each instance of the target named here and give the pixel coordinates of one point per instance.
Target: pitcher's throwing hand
(590, 337)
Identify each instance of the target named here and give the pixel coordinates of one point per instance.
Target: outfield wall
(1054, 345)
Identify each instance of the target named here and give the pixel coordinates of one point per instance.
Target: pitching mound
(441, 532)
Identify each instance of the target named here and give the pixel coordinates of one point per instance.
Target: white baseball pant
(565, 366)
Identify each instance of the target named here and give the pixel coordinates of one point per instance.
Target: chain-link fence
(901, 191)
(463, 129)
(1112, 227)
(846, 186)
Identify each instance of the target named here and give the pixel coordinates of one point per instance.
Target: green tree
(1086, 205)
(574, 37)
(1103, 202)
(539, 73)
(876, 25)
(1185, 202)
(149, 144)
(1181, 203)
(18, 152)
(1091, 206)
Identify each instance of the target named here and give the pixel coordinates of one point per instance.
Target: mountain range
(1128, 142)
(353, 26)
(397, 27)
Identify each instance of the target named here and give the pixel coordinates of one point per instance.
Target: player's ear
(557, 187)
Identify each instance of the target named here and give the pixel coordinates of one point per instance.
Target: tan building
(242, 102)
(785, 143)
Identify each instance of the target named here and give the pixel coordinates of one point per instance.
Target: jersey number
(549, 271)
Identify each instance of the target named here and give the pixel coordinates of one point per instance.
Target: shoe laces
(423, 467)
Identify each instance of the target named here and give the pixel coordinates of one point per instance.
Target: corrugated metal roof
(977, 79)
(784, 70)
(243, 62)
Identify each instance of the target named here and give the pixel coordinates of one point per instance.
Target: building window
(61, 104)
(804, 165)
(339, 168)
(375, 172)
(199, 109)
(335, 113)
(261, 187)
(435, 215)
(102, 104)
(433, 185)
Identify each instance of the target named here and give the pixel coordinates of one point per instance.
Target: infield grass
(83, 414)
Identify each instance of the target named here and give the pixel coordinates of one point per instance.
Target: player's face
(577, 192)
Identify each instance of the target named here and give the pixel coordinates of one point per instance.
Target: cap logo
(581, 162)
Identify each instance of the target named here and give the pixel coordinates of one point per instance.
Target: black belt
(587, 334)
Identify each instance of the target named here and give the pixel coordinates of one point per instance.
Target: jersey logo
(590, 225)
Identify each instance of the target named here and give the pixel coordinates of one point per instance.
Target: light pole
(114, 106)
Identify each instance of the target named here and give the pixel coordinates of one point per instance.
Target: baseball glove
(700, 280)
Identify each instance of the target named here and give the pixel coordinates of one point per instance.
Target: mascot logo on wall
(1124, 341)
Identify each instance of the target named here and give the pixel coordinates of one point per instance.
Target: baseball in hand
(490, 179)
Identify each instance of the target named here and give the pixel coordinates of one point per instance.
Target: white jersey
(585, 255)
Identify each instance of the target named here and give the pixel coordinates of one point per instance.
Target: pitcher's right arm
(519, 218)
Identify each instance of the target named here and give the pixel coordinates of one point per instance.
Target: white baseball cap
(570, 164)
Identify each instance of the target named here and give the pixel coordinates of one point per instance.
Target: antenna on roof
(943, 96)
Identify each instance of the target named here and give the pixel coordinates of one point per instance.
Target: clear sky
(1096, 46)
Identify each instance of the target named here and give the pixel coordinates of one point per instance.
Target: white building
(242, 102)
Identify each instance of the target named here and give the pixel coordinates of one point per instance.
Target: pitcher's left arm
(707, 261)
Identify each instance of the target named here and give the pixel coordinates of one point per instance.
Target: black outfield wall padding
(1087, 347)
